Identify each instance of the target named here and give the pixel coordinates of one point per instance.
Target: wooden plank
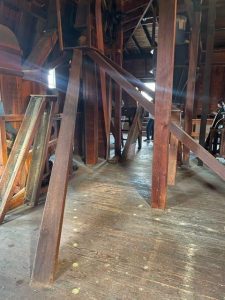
(51, 225)
(17, 199)
(19, 151)
(192, 72)
(13, 118)
(163, 101)
(207, 70)
(172, 168)
(39, 155)
(3, 144)
(90, 112)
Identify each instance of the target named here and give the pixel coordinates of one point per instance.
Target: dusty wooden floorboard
(122, 249)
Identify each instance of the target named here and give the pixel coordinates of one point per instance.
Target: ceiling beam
(142, 16)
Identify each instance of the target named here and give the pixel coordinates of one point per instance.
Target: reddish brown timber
(163, 101)
(100, 45)
(20, 150)
(172, 168)
(46, 256)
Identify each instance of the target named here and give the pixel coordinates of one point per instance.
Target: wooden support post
(59, 25)
(90, 112)
(192, 72)
(51, 226)
(19, 151)
(118, 56)
(207, 71)
(39, 155)
(100, 45)
(163, 101)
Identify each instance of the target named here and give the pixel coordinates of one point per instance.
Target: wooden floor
(114, 246)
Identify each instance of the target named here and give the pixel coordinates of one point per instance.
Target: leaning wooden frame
(40, 110)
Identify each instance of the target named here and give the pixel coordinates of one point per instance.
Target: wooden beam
(90, 112)
(141, 17)
(101, 47)
(137, 44)
(172, 167)
(41, 50)
(51, 226)
(192, 72)
(59, 24)
(148, 36)
(163, 101)
(207, 70)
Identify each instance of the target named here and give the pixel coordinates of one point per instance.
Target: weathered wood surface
(3, 144)
(51, 225)
(163, 101)
(192, 72)
(39, 154)
(19, 151)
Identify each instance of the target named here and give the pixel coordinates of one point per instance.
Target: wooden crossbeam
(41, 50)
(51, 226)
(19, 151)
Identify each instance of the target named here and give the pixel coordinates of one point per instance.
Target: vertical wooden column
(207, 71)
(192, 71)
(90, 112)
(163, 100)
(100, 45)
(3, 144)
(51, 226)
(118, 56)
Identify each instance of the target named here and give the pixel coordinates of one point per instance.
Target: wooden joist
(51, 226)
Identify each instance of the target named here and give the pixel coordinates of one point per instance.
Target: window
(51, 79)
(151, 86)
